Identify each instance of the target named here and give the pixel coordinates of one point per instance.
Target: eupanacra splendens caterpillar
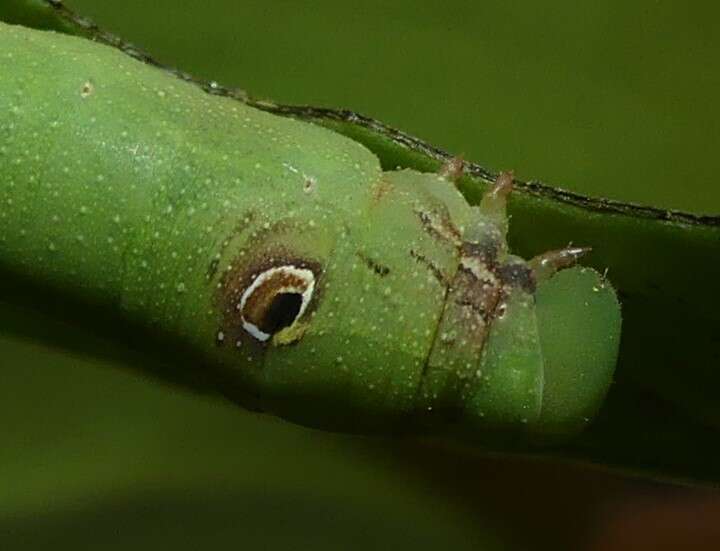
(311, 283)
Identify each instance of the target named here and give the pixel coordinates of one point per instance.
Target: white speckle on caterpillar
(87, 89)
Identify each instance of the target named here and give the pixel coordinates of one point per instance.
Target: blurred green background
(612, 99)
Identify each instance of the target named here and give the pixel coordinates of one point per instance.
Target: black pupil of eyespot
(281, 313)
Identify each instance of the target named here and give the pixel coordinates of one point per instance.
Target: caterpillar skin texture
(328, 291)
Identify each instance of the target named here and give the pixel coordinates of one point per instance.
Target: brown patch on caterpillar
(476, 294)
(376, 267)
(517, 274)
(266, 294)
(477, 288)
(492, 281)
(486, 250)
(471, 302)
(437, 272)
(440, 226)
(381, 188)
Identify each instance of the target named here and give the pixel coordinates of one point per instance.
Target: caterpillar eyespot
(335, 293)
(276, 299)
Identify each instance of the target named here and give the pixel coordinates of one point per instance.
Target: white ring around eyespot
(303, 273)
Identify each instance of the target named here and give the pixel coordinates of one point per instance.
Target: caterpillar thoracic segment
(330, 292)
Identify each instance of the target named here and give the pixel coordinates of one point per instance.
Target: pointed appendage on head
(494, 202)
(545, 265)
(452, 169)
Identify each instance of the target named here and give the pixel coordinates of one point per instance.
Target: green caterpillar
(323, 289)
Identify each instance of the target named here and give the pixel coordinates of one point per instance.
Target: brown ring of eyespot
(276, 298)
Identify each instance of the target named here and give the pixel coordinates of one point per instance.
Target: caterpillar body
(327, 290)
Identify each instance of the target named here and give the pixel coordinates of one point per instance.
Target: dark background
(612, 100)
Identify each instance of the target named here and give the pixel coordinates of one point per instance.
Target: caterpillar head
(415, 314)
